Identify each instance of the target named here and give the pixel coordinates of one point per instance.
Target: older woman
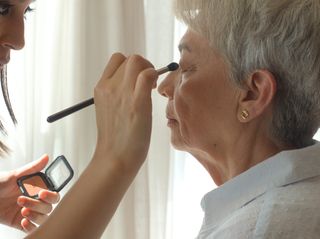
(245, 103)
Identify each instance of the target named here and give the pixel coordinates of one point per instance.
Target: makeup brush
(61, 114)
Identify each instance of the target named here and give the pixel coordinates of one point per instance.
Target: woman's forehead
(193, 42)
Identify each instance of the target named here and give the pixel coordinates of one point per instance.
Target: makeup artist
(245, 103)
(87, 208)
(15, 210)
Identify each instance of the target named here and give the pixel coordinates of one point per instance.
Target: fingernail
(20, 202)
(25, 212)
(42, 194)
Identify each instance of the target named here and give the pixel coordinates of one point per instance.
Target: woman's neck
(224, 162)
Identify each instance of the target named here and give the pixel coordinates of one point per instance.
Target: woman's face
(12, 16)
(202, 103)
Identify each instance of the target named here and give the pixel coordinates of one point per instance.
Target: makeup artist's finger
(27, 225)
(34, 205)
(154, 86)
(114, 63)
(49, 196)
(145, 83)
(34, 217)
(32, 167)
(134, 66)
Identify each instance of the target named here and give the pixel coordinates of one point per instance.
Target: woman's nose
(12, 34)
(166, 87)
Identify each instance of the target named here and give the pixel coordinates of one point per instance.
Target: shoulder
(290, 211)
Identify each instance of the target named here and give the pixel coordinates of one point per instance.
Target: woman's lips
(171, 115)
(171, 121)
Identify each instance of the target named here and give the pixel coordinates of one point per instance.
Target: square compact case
(55, 178)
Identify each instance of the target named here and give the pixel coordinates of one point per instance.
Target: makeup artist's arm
(123, 112)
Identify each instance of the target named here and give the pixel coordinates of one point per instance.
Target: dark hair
(4, 149)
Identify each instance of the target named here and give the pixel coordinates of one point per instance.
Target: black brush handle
(70, 110)
(63, 113)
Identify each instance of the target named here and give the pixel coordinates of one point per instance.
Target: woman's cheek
(183, 113)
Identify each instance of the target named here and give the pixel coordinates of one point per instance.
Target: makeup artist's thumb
(146, 81)
(33, 167)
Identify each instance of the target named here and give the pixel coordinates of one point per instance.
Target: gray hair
(280, 36)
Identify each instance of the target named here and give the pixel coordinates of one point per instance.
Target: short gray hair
(281, 36)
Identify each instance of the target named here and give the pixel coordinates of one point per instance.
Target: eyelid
(5, 9)
(5, 6)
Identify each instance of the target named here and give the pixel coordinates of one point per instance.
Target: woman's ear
(255, 99)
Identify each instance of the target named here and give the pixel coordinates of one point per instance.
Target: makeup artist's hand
(22, 212)
(124, 109)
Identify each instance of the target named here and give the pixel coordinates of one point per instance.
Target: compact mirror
(55, 178)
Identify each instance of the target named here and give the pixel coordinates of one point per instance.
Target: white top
(278, 198)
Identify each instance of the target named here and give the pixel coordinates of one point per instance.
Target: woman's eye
(4, 9)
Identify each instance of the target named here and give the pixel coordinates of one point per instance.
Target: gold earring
(244, 114)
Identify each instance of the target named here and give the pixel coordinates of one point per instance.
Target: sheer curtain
(67, 46)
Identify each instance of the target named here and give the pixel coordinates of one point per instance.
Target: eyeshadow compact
(55, 178)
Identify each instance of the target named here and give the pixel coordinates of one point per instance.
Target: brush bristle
(173, 66)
